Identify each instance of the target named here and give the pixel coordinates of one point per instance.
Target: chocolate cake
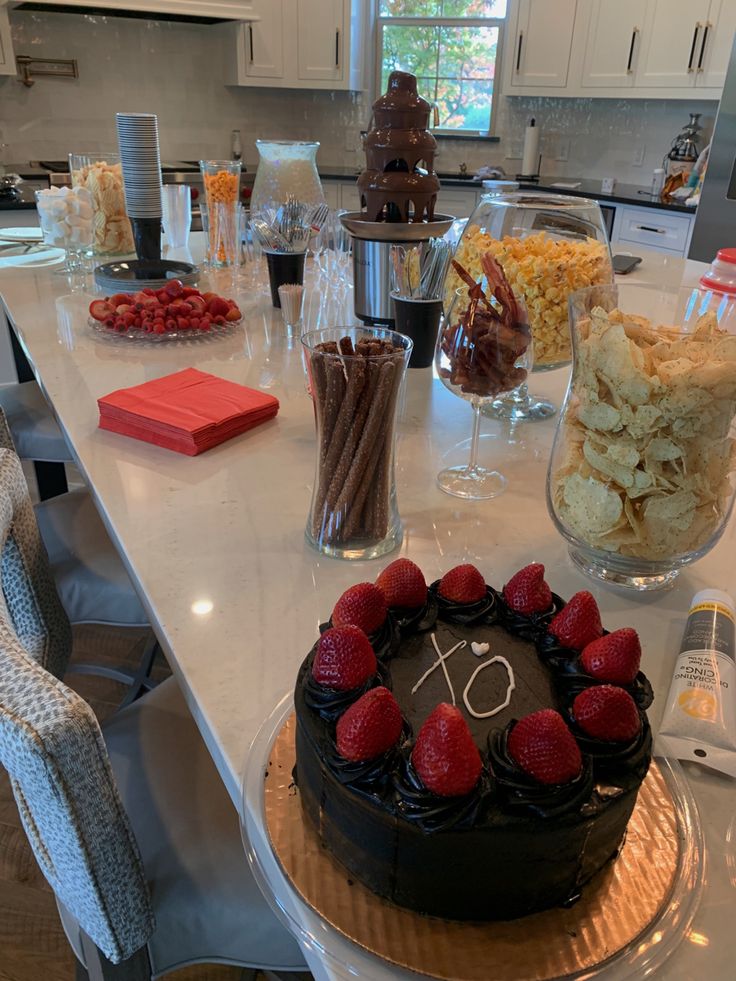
(399, 183)
(491, 782)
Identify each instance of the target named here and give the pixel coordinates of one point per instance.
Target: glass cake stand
(331, 955)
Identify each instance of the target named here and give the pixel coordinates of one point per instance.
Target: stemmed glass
(483, 349)
(518, 405)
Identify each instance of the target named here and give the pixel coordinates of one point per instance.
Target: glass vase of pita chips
(641, 477)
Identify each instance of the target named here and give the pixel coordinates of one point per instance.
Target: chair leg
(51, 479)
(136, 968)
(136, 682)
(141, 682)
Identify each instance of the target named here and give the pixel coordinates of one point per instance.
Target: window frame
(498, 22)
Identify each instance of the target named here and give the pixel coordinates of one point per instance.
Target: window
(452, 47)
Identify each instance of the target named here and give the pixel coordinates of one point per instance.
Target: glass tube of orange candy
(222, 187)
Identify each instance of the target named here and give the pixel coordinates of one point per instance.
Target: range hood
(209, 11)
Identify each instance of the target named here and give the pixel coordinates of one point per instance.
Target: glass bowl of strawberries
(172, 313)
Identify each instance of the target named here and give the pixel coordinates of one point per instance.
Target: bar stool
(133, 830)
(36, 434)
(69, 542)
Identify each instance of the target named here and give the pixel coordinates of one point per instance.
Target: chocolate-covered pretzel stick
(356, 372)
(375, 446)
(353, 438)
(368, 439)
(335, 390)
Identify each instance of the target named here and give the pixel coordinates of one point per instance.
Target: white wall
(175, 70)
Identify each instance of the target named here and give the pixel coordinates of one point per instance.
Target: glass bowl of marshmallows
(66, 216)
(643, 469)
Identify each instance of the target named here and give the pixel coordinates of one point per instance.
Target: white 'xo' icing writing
(510, 687)
(440, 663)
(482, 648)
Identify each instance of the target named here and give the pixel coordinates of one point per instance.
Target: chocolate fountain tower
(398, 192)
(399, 182)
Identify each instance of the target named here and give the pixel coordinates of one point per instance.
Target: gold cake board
(617, 905)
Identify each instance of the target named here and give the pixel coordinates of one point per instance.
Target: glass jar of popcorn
(641, 477)
(102, 176)
(548, 246)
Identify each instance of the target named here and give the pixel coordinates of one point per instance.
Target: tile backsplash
(176, 70)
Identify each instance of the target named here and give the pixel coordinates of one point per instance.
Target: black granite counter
(623, 193)
(23, 200)
(630, 194)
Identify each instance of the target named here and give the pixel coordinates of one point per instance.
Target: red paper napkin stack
(189, 411)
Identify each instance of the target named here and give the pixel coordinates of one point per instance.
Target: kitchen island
(215, 544)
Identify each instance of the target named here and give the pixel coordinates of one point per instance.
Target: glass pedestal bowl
(480, 354)
(642, 473)
(548, 246)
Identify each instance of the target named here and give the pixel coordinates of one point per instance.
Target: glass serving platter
(138, 336)
(341, 957)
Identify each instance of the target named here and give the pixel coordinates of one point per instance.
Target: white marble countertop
(215, 543)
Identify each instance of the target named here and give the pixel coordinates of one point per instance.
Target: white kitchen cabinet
(225, 9)
(647, 49)
(263, 42)
(331, 191)
(652, 228)
(320, 39)
(456, 202)
(7, 58)
(540, 43)
(715, 50)
(612, 44)
(302, 44)
(350, 196)
(672, 35)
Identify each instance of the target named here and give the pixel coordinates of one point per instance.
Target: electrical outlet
(638, 158)
(563, 150)
(514, 151)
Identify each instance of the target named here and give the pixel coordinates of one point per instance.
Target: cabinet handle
(337, 48)
(702, 46)
(693, 46)
(651, 228)
(634, 35)
(518, 50)
(250, 39)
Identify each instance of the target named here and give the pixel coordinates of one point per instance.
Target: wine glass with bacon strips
(483, 349)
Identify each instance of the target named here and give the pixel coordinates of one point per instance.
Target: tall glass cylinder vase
(286, 168)
(102, 175)
(222, 192)
(355, 378)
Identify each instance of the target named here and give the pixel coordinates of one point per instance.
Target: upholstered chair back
(28, 599)
(52, 747)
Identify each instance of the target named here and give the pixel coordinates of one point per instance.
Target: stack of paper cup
(139, 155)
(141, 160)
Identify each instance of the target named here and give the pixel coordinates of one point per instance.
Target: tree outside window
(452, 47)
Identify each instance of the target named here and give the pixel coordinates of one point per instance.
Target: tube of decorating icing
(700, 716)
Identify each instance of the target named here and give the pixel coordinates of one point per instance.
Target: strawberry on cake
(467, 752)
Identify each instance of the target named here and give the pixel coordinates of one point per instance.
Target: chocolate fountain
(398, 192)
